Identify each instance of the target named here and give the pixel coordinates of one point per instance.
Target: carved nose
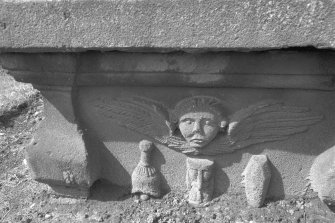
(196, 127)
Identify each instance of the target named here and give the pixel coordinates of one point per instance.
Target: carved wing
(139, 114)
(263, 122)
(180, 145)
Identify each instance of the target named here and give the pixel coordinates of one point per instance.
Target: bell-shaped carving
(145, 178)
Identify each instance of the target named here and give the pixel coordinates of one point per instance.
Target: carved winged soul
(200, 125)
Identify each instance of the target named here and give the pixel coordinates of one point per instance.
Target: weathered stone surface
(112, 150)
(273, 69)
(165, 25)
(257, 175)
(58, 154)
(322, 176)
(291, 158)
(56, 69)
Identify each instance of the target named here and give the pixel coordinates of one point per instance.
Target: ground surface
(24, 200)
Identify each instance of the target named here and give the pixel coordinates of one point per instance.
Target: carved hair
(197, 103)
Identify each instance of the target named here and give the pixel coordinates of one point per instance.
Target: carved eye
(187, 121)
(209, 122)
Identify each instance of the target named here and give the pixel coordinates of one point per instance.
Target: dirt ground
(24, 200)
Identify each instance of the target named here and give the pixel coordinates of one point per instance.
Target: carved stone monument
(92, 129)
(200, 90)
(193, 124)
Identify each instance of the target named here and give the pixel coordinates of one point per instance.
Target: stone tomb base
(82, 140)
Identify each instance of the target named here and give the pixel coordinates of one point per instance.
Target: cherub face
(199, 128)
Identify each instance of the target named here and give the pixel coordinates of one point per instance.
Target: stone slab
(161, 25)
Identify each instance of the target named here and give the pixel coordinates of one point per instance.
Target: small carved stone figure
(257, 175)
(322, 176)
(199, 125)
(199, 180)
(145, 178)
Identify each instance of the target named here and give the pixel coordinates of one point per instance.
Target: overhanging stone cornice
(267, 69)
(57, 26)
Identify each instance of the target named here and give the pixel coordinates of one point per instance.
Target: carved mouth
(198, 140)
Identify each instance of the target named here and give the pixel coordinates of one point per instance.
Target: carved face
(199, 128)
(199, 180)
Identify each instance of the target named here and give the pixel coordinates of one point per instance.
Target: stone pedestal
(58, 154)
